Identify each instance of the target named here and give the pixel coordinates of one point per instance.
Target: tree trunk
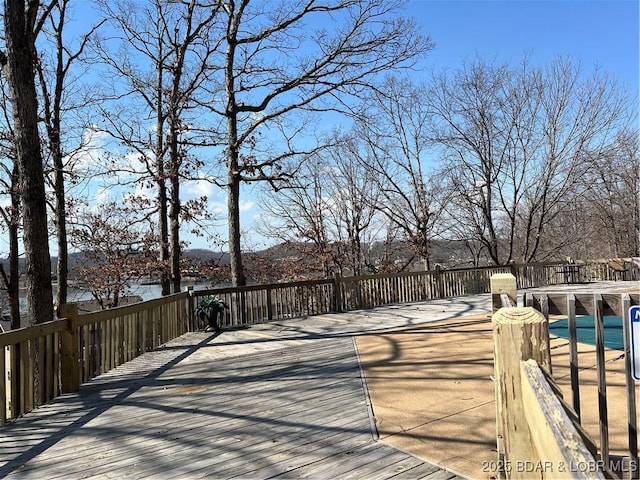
(233, 206)
(13, 283)
(163, 233)
(233, 170)
(52, 115)
(174, 211)
(61, 225)
(21, 56)
(13, 286)
(165, 280)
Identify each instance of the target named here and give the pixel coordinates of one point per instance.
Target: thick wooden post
(439, 283)
(269, 305)
(503, 284)
(519, 333)
(69, 344)
(337, 297)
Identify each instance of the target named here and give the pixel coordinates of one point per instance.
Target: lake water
(146, 292)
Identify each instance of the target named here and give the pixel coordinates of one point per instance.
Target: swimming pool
(585, 330)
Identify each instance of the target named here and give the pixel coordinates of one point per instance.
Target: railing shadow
(88, 410)
(214, 414)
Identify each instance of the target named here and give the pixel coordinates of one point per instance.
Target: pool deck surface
(432, 387)
(285, 400)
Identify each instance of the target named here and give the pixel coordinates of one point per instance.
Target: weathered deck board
(297, 409)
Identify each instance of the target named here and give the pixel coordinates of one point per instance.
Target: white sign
(634, 331)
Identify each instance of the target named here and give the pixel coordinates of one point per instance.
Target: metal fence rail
(513, 331)
(598, 306)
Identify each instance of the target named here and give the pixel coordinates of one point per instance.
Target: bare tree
(282, 61)
(297, 217)
(10, 214)
(164, 55)
(22, 22)
(57, 81)
(393, 141)
(515, 141)
(352, 206)
(326, 213)
(10, 211)
(609, 211)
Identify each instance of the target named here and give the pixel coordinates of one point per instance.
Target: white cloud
(144, 191)
(89, 155)
(246, 205)
(199, 188)
(134, 162)
(103, 195)
(217, 208)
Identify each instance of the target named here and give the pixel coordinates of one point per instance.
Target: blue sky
(594, 31)
(603, 33)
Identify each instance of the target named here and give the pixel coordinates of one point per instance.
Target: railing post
(603, 415)
(244, 314)
(519, 333)
(503, 283)
(514, 270)
(269, 305)
(5, 383)
(191, 310)
(15, 373)
(69, 344)
(337, 297)
(439, 284)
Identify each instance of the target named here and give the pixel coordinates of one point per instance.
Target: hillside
(445, 253)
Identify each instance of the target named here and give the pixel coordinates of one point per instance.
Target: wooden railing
(532, 431)
(277, 301)
(559, 448)
(43, 361)
(383, 289)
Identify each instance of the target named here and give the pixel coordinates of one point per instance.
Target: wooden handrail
(519, 333)
(107, 338)
(23, 334)
(75, 348)
(535, 434)
(133, 308)
(548, 444)
(558, 449)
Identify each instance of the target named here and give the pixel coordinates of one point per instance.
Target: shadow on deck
(278, 400)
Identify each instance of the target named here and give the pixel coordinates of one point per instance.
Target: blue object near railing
(586, 332)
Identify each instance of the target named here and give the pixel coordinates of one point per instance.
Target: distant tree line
(519, 163)
(107, 122)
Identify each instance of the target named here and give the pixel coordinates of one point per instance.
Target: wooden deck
(275, 401)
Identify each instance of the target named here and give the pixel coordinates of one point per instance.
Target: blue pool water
(586, 333)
